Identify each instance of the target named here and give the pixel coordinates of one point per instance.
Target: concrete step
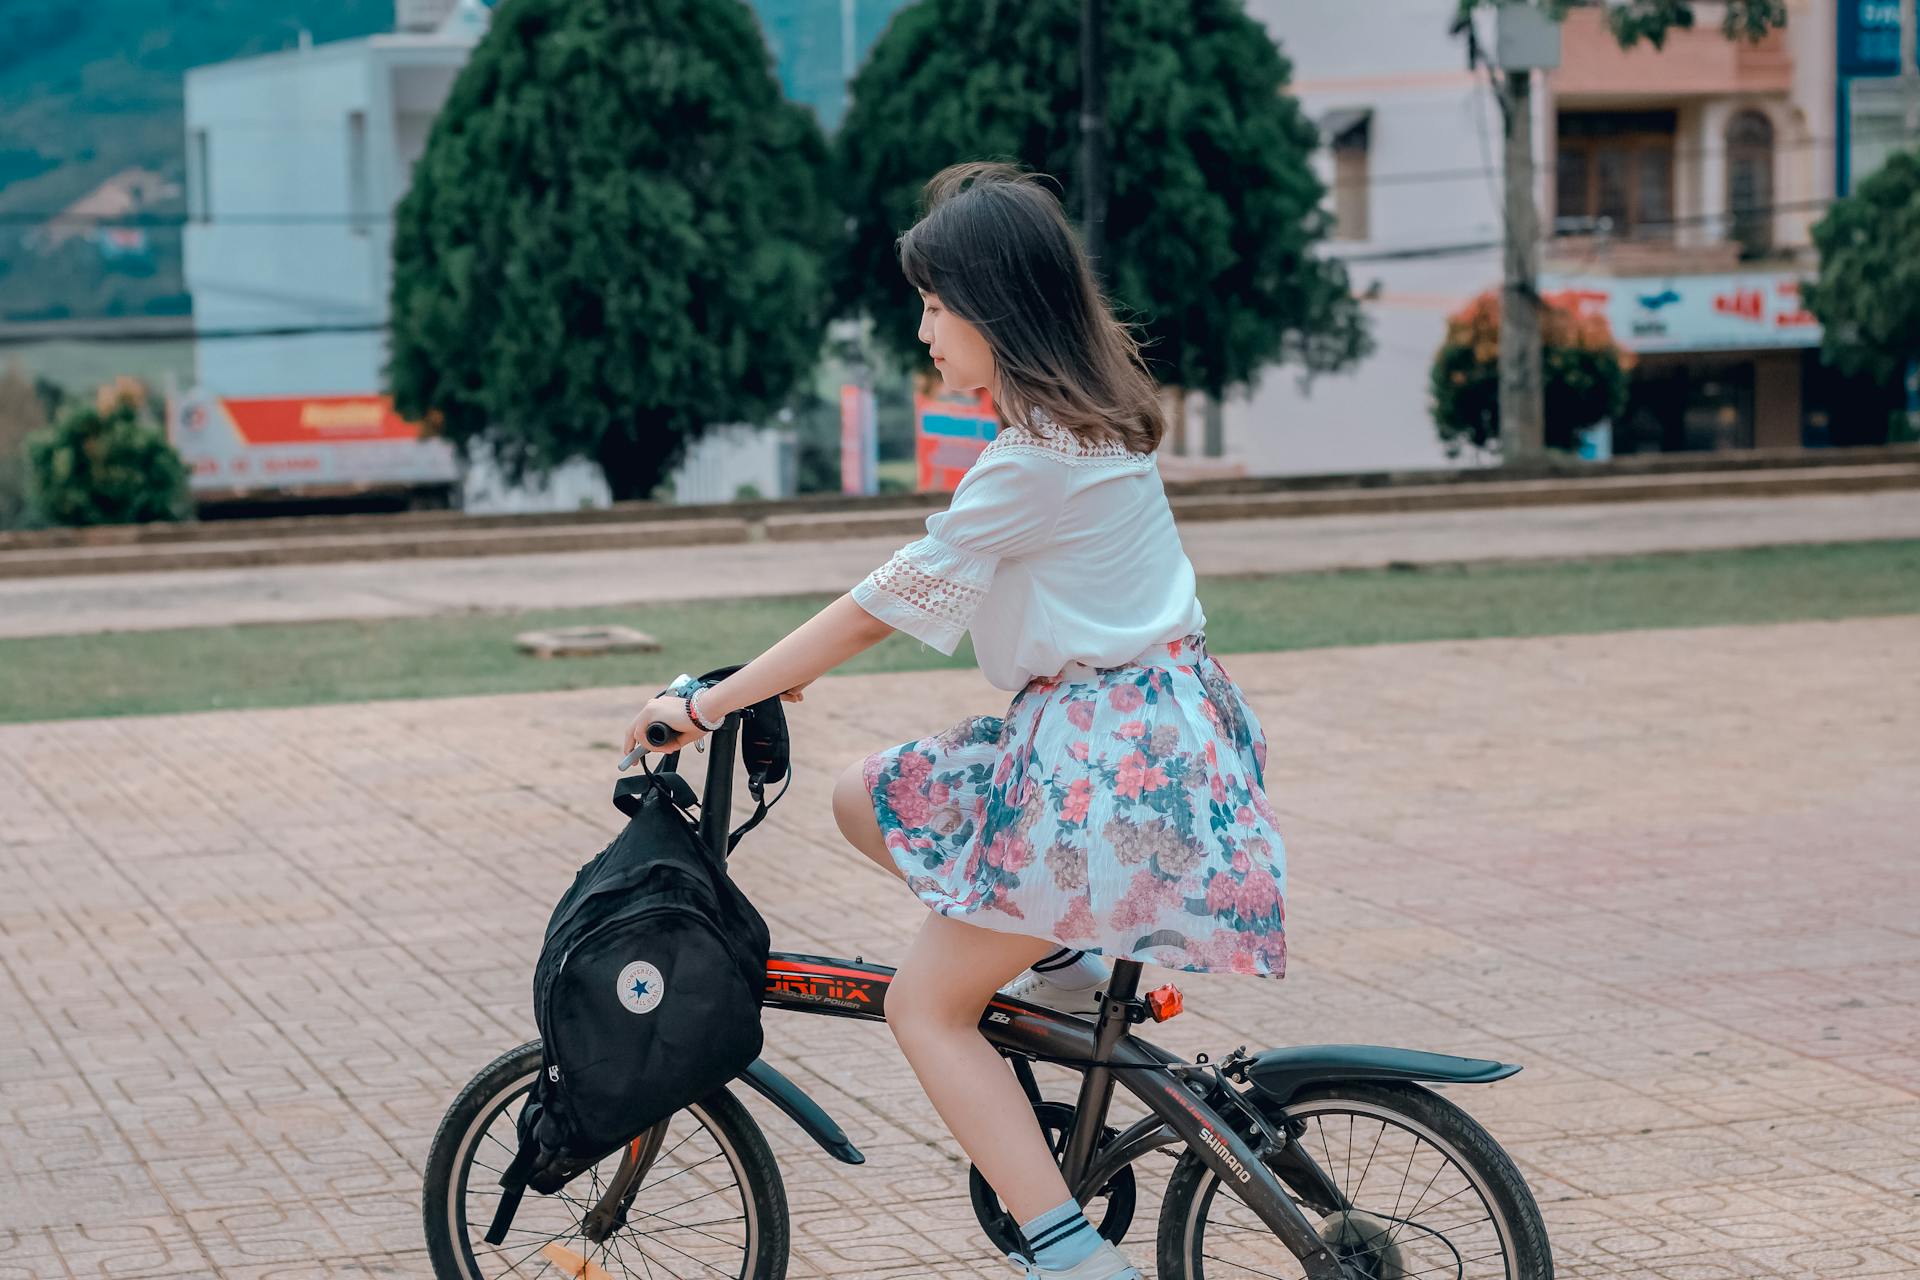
(411, 546)
(410, 523)
(595, 535)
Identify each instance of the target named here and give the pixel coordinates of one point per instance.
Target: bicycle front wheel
(711, 1205)
(1427, 1194)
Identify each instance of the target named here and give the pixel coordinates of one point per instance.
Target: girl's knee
(912, 1011)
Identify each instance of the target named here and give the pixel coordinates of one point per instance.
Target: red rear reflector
(1164, 1002)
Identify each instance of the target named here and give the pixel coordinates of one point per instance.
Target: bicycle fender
(1281, 1073)
(802, 1110)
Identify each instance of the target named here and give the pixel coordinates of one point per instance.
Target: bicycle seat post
(1096, 1086)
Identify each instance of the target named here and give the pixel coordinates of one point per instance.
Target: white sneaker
(1104, 1263)
(1035, 988)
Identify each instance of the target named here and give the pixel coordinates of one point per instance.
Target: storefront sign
(1869, 43)
(949, 433)
(292, 441)
(1693, 313)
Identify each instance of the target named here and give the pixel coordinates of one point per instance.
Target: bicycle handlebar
(659, 734)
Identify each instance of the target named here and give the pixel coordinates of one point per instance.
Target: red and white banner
(282, 442)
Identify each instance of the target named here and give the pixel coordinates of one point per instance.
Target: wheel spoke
(689, 1257)
(1442, 1225)
(1377, 1138)
(705, 1231)
(1252, 1271)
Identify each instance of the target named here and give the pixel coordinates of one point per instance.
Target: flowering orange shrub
(1584, 369)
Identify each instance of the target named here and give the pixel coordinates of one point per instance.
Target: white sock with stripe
(1072, 970)
(1061, 1237)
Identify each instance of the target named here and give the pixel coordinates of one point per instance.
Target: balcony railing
(1587, 250)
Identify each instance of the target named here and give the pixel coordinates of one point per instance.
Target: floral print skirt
(1119, 810)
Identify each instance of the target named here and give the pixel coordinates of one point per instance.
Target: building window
(1750, 182)
(1614, 173)
(1348, 132)
(199, 190)
(359, 201)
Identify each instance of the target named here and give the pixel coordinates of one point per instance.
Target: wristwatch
(685, 687)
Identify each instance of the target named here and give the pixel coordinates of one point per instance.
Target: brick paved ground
(248, 957)
(416, 588)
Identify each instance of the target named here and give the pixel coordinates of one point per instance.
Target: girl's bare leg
(934, 1007)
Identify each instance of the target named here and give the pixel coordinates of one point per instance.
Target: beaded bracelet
(693, 713)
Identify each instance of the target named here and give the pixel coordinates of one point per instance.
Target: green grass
(294, 665)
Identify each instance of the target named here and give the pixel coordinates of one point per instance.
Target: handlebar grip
(659, 734)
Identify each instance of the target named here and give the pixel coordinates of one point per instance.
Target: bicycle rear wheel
(712, 1204)
(1428, 1194)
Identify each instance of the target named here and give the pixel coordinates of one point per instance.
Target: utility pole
(1910, 66)
(1093, 132)
(1910, 88)
(1523, 431)
(1526, 39)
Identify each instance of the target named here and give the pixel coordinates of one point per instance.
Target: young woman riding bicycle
(1117, 809)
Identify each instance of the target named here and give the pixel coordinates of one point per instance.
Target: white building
(295, 162)
(1682, 183)
(1412, 163)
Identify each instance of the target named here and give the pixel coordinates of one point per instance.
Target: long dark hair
(997, 249)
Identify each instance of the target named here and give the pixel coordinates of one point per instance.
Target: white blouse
(1052, 551)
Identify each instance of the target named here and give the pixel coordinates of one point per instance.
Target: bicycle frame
(1104, 1049)
(1108, 1054)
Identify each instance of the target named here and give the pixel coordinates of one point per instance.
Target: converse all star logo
(641, 988)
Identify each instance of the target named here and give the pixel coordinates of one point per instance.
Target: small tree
(1867, 296)
(1586, 375)
(107, 463)
(614, 240)
(1213, 212)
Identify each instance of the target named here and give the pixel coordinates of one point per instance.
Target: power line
(1597, 243)
(30, 335)
(1411, 177)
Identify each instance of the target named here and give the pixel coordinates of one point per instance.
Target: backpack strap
(761, 805)
(513, 1179)
(629, 792)
(513, 1183)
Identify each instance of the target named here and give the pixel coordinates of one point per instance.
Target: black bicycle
(1330, 1162)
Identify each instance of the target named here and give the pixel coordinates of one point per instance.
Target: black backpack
(647, 991)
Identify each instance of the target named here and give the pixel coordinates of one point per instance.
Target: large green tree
(1867, 296)
(615, 239)
(1213, 214)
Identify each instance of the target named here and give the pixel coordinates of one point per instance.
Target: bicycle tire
(1191, 1189)
(451, 1156)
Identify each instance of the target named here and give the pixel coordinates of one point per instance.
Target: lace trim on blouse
(1044, 437)
(928, 590)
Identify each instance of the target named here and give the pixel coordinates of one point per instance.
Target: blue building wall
(1868, 48)
(808, 40)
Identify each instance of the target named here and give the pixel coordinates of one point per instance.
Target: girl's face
(959, 351)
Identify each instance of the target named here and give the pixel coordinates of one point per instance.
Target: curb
(603, 535)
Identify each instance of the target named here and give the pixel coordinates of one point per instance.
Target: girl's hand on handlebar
(669, 710)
